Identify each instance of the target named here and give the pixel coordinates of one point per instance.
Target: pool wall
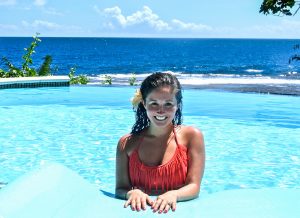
(52, 190)
(31, 82)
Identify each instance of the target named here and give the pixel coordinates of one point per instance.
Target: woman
(160, 156)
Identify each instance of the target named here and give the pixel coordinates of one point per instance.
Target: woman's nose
(161, 109)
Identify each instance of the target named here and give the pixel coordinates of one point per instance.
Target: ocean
(246, 65)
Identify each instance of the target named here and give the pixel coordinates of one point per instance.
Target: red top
(168, 176)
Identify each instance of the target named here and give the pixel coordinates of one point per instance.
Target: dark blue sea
(199, 61)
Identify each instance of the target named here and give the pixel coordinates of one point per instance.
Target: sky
(144, 18)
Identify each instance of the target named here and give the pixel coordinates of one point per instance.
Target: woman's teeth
(160, 118)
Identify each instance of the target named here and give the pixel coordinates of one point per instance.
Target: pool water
(252, 140)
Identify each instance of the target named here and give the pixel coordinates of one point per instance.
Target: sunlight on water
(252, 141)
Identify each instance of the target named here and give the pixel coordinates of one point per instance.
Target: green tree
(12, 70)
(26, 70)
(132, 80)
(45, 69)
(81, 79)
(279, 7)
(282, 8)
(107, 80)
(27, 56)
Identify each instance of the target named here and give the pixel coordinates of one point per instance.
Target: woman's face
(161, 106)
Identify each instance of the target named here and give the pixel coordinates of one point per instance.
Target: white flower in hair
(137, 98)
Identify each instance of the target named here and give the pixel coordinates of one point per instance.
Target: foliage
(132, 80)
(279, 7)
(12, 70)
(81, 79)
(295, 57)
(107, 80)
(27, 56)
(45, 68)
(26, 70)
(2, 73)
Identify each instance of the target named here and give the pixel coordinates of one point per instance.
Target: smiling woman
(160, 156)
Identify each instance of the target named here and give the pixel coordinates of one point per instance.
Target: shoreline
(258, 89)
(260, 85)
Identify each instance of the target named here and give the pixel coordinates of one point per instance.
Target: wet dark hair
(157, 80)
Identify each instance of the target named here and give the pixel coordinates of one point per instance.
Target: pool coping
(53, 190)
(32, 82)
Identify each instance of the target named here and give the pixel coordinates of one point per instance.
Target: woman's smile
(160, 118)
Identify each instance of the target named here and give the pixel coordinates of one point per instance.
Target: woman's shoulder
(128, 142)
(187, 134)
(190, 131)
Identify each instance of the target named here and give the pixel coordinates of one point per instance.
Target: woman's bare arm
(122, 177)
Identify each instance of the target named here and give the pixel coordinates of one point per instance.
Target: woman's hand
(137, 200)
(165, 202)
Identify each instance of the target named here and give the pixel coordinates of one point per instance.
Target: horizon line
(154, 37)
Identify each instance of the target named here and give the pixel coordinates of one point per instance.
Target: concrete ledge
(31, 82)
(55, 191)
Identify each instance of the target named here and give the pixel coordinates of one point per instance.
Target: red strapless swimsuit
(168, 176)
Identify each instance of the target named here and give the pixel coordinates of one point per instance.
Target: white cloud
(39, 2)
(53, 11)
(145, 16)
(8, 2)
(41, 24)
(8, 27)
(148, 23)
(99, 11)
(291, 24)
(50, 28)
(177, 24)
(109, 25)
(116, 13)
(116, 19)
(284, 29)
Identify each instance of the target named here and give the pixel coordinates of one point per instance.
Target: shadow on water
(108, 194)
(2, 184)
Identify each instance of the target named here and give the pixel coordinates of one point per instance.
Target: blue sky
(144, 18)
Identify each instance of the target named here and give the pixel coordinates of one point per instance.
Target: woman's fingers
(138, 201)
(144, 203)
(127, 203)
(162, 206)
(156, 204)
(167, 208)
(138, 205)
(173, 206)
(149, 200)
(133, 205)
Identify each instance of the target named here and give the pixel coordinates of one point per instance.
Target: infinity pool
(252, 140)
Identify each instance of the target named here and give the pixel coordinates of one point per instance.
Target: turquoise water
(252, 140)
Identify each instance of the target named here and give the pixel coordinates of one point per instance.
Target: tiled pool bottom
(251, 140)
(33, 82)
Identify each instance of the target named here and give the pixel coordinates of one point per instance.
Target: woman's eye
(169, 104)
